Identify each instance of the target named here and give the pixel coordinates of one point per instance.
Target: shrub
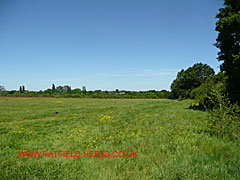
(204, 94)
(224, 120)
(225, 117)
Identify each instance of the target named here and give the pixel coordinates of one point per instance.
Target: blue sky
(104, 44)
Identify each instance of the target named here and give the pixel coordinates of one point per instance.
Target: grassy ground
(168, 137)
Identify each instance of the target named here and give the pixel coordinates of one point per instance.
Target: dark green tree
(53, 88)
(23, 88)
(189, 79)
(204, 94)
(228, 42)
(76, 91)
(67, 89)
(60, 90)
(47, 92)
(20, 89)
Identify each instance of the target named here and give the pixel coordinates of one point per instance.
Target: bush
(224, 120)
(225, 117)
(204, 96)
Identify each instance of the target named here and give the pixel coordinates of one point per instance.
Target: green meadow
(169, 138)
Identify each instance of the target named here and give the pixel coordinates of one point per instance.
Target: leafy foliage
(225, 117)
(204, 95)
(63, 89)
(228, 41)
(224, 120)
(84, 89)
(66, 91)
(53, 88)
(189, 79)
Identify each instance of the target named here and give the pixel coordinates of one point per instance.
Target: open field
(169, 139)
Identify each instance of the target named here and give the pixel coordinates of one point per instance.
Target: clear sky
(104, 44)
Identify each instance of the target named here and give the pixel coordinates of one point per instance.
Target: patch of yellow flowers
(20, 130)
(78, 132)
(105, 118)
(183, 138)
(59, 102)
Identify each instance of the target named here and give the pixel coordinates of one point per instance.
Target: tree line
(67, 91)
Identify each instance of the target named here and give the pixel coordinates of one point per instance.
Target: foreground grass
(168, 136)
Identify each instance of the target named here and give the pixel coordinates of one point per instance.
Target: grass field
(168, 136)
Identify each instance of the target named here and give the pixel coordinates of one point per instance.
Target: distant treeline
(66, 91)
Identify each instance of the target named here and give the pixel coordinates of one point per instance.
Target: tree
(67, 89)
(23, 88)
(53, 88)
(203, 94)
(84, 90)
(76, 91)
(189, 79)
(20, 89)
(59, 90)
(228, 42)
(2, 90)
(47, 92)
(63, 89)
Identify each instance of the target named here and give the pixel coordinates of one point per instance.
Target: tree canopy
(189, 79)
(228, 42)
